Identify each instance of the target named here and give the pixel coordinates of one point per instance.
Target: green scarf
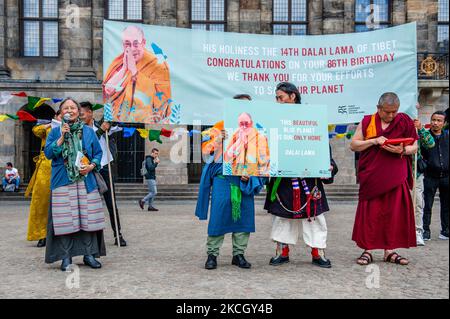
(70, 147)
(236, 199)
(273, 193)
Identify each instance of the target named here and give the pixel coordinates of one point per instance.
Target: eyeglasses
(135, 44)
(246, 124)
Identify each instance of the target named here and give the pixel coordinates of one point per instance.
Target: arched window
(208, 14)
(290, 17)
(372, 15)
(39, 30)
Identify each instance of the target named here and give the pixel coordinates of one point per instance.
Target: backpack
(144, 169)
(10, 187)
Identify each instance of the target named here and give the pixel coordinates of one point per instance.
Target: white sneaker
(443, 237)
(419, 238)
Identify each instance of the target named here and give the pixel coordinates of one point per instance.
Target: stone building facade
(77, 70)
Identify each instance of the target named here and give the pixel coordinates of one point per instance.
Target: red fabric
(315, 253)
(25, 116)
(380, 171)
(165, 132)
(296, 204)
(21, 94)
(386, 222)
(285, 251)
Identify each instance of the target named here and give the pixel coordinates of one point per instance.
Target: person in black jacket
(151, 162)
(436, 175)
(288, 202)
(100, 128)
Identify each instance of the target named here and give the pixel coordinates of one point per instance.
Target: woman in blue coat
(76, 218)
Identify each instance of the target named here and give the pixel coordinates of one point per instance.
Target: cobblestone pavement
(166, 255)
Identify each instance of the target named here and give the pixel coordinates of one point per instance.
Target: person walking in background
(151, 162)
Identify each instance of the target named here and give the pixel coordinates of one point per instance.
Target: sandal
(398, 259)
(366, 257)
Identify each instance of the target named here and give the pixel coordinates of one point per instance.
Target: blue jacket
(59, 172)
(220, 219)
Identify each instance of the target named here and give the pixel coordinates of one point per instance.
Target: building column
(315, 18)
(166, 12)
(424, 13)
(4, 70)
(250, 16)
(80, 43)
(333, 16)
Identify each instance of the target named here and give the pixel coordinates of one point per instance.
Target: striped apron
(74, 210)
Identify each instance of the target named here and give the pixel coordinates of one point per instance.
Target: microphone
(65, 119)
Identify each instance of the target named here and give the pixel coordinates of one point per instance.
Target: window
(442, 32)
(372, 15)
(124, 10)
(39, 28)
(290, 17)
(208, 15)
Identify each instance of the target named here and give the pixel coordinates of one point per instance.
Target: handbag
(421, 165)
(101, 184)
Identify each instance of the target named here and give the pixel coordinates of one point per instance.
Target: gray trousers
(152, 191)
(419, 204)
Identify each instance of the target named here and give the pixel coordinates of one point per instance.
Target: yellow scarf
(371, 130)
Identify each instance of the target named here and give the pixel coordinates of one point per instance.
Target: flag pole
(112, 187)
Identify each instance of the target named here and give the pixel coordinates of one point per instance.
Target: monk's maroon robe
(385, 214)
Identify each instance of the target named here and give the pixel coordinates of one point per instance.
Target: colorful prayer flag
(165, 132)
(143, 132)
(25, 116)
(13, 117)
(21, 94)
(5, 97)
(97, 107)
(34, 102)
(128, 131)
(192, 132)
(154, 135)
(3, 117)
(340, 129)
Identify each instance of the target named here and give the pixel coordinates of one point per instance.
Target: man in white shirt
(87, 116)
(11, 177)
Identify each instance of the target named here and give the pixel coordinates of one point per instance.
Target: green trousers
(240, 242)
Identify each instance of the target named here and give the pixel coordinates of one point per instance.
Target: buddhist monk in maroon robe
(385, 214)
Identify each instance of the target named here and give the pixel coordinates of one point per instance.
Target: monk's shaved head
(388, 98)
(388, 106)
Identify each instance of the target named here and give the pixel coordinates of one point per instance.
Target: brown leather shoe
(141, 204)
(152, 209)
